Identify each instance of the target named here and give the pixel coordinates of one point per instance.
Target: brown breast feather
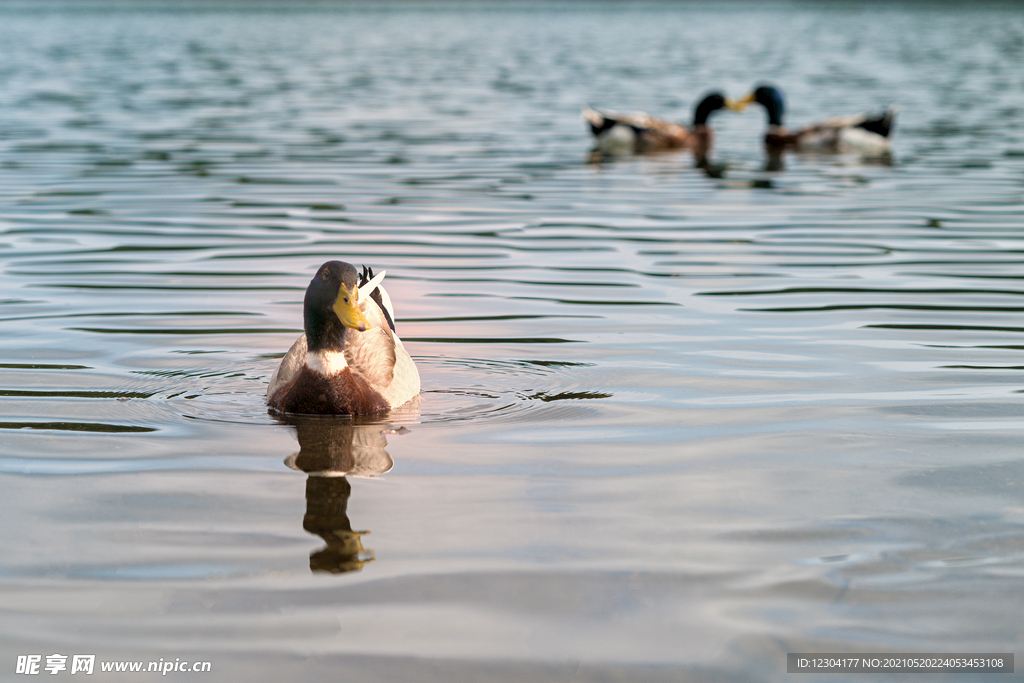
(343, 393)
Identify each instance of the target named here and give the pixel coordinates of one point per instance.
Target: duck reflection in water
(330, 450)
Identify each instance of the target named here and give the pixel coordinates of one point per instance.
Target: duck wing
(648, 131)
(372, 353)
(290, 366)
(855, 132)
(379, 356)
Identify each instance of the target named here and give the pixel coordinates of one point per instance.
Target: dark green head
(769, 97)
(711, 103)
(332, 304)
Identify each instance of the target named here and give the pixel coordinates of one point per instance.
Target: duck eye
(325, 274)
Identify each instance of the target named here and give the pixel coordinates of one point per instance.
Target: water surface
(674, 424)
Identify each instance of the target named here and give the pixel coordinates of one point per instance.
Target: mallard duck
(639, 132)
(349, 361)
(861, 133)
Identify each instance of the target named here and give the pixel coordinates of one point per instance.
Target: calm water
(674, 425)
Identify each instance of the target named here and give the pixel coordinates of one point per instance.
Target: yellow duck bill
(346, 307)
(739, 105)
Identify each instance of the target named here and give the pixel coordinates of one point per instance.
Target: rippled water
(675, 423)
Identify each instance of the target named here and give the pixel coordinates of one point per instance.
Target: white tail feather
(371, 285)
(375, 283)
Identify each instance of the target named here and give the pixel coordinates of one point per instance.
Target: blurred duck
(349, 361)
(624, 133)
(866, 134)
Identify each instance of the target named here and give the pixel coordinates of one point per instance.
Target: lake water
(674, 424)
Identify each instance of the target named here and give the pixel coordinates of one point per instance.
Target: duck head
(332, 304)
(710, 104)
(769, 97)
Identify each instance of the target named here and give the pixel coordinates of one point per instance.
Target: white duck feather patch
(326, 362)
